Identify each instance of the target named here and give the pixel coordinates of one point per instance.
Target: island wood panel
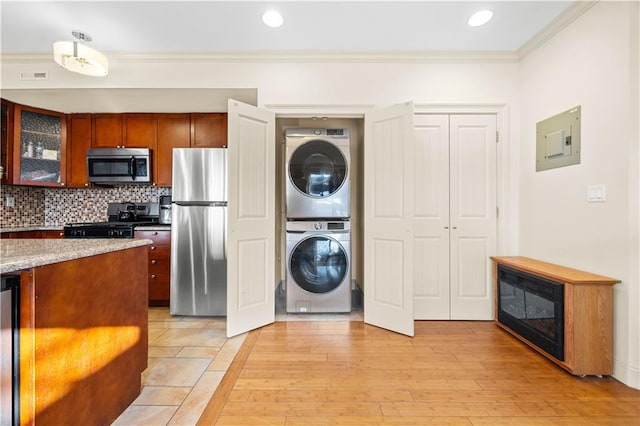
(588, 314)
(84, 336)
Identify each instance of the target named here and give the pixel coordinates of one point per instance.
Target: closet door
(473, 208)
(251, 237)
(431, 217)
(455, 216)
(388, 218)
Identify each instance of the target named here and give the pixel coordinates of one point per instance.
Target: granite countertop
(26, 228)
(19, 254)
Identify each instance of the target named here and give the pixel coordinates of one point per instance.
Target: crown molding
(319, 110)
(560, 22)
(286, 57)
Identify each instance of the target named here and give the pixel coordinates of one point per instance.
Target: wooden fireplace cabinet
(588, 314)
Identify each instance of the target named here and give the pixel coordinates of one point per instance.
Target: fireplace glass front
(533, 307)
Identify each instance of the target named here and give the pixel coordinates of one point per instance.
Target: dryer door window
(318, 264)
(317, 168)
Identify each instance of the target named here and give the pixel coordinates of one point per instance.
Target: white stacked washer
(317, 183)
(318, 266)
(318, 227)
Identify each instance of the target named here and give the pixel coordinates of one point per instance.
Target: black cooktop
(122, 219)
(103, 229)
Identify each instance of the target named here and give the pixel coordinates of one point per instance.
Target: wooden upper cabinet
(174, 131)
(78, 141)
(106, 131)
(140, 130)
(124, 130)
(39, 147)
(6, 143)
(209, 130)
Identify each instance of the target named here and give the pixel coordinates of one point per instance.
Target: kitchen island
(83, 326)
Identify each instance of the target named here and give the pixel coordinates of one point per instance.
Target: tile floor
(188, 356)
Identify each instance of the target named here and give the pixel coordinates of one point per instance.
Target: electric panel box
(558, 140)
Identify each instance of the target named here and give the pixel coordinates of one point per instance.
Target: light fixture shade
(79, 58)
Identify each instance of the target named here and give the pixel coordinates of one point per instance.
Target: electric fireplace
(533, 307)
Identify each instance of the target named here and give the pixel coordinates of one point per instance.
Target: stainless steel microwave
(119, 165)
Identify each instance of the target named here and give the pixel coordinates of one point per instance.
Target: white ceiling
(236, 26)
(350, 29)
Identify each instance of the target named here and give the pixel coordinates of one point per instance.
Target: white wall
(592, 63)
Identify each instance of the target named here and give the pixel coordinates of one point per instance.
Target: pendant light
(77, 57)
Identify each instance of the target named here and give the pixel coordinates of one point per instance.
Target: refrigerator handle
(224, 235)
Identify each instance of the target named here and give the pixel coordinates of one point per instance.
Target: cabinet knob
(153, 276)
(61, 183)
(153, 248)
(62, 234)
(86, 184)
(153, 261)
(155, 232)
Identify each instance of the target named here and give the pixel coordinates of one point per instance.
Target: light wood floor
(450, 373)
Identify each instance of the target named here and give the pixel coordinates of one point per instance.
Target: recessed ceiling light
(481, 17)
(272, 19)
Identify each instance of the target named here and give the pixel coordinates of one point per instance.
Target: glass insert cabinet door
(39, 148)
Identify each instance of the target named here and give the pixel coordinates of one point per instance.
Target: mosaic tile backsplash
(57, 206)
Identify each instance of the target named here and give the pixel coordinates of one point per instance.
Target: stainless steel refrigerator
(198, 232)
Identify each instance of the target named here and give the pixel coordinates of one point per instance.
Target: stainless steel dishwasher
(9, 344)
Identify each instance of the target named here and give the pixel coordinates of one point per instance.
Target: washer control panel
(300, 226)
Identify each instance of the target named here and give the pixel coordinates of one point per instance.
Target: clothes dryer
(318, 266)
(318, 173)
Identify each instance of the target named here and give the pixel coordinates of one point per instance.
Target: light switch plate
(597, 193)
(10, 202)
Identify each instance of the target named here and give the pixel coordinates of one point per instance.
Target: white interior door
(388, 218)
(251, 218)
(473, 215)
(431, 217)
(455, 216)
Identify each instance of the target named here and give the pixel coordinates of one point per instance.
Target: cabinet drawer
(159, 277)
(159, 266)
(159, 238)
(159, 292)
(159, 252)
